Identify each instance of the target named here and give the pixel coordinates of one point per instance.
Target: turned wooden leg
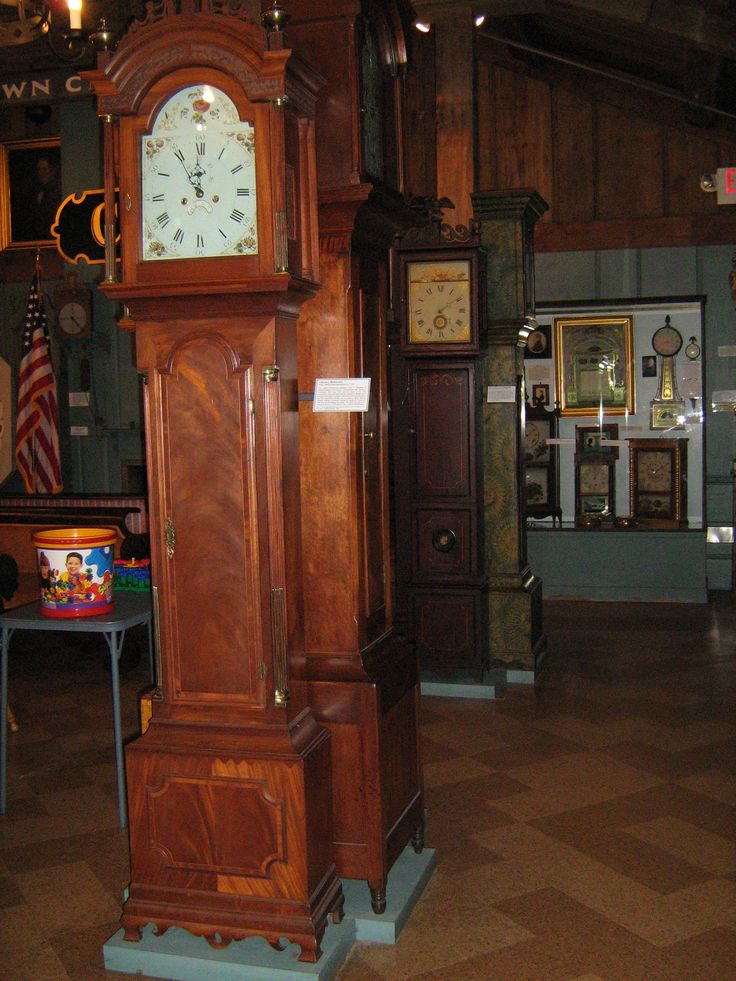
(12, 723)
(417, 840)
(378, 900)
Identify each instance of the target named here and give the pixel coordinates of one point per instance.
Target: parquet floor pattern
(585, 827)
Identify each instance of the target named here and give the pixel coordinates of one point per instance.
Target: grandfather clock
(362, 674)
(210, 139)
(437, 402)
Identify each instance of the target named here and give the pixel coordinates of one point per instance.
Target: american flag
(37, 421)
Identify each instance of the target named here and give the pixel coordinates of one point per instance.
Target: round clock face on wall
(667, 341)
(439, 302)
(73, 319)
(198, 176)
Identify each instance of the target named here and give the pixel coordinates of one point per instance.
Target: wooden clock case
(363, 682)
(670, 510)
(229, 786)
(437, 402)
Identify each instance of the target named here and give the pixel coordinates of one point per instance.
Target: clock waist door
(214, 426)
(442, 552)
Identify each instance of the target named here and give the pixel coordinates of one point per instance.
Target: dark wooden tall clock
(436, 406)
(210, 138)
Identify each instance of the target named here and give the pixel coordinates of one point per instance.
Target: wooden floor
(584, 828)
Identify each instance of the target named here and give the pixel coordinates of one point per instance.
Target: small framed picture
(539, 342)
(30, 192)
(540, 394)
(649, 366)
(593, 441)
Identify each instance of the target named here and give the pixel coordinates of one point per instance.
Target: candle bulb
(75, 14)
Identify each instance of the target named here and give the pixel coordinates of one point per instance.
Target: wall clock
(667, 341)
(73, 305)
(658, 482)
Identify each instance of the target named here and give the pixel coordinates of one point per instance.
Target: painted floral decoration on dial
(199, 179)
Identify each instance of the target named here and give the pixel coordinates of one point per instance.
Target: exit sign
(726, 185)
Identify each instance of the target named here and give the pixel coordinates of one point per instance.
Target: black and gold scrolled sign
(79, 228)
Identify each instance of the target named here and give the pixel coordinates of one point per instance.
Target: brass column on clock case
(506, 221)
(212, 122)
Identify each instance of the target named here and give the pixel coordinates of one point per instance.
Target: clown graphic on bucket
(75, 568)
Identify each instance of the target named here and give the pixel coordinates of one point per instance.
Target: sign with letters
(25, 88)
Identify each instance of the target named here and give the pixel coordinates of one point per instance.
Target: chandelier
(32, 21)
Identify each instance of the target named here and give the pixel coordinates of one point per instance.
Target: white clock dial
(199, 180)
(72, 318)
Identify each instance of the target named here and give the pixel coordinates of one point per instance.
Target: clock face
(593, 478)
(439, 302)
(667, 341)
(73, 318)
(199, 179)
(654, 470)
(536, 432)
(693, 350)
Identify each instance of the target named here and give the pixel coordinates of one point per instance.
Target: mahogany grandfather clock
(362, 674)
(210, 139)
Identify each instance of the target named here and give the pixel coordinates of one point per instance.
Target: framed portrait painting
(30, 192)
(594, 365)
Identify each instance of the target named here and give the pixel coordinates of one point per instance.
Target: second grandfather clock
(436, 408)
(210, 139)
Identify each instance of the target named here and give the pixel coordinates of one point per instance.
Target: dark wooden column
(506, 222)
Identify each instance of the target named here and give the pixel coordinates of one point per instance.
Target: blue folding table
(129, 609)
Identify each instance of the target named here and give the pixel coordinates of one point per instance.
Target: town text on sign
(42, 87)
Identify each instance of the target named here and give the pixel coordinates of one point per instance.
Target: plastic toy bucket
(75, 568)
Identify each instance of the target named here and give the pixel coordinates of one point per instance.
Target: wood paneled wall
(619, 167)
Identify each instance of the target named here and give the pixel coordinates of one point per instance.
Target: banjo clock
(210, 138)
(436, 407)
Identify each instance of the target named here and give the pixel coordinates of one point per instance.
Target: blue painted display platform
(463, 685)
(180, 956)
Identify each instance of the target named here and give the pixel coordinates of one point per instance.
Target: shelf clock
(209, 135)
(658, 482)
(437, 407)
(541, 479)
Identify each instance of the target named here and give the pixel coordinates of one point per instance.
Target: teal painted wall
(90, 464)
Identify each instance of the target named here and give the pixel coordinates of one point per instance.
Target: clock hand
(193, 175)
(455, 299)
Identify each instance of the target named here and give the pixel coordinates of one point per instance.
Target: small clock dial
(72, 318)
(667, 341)
(693, 349)
(199, 180)
(439, 302)
(593, 478)
(654, 470)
